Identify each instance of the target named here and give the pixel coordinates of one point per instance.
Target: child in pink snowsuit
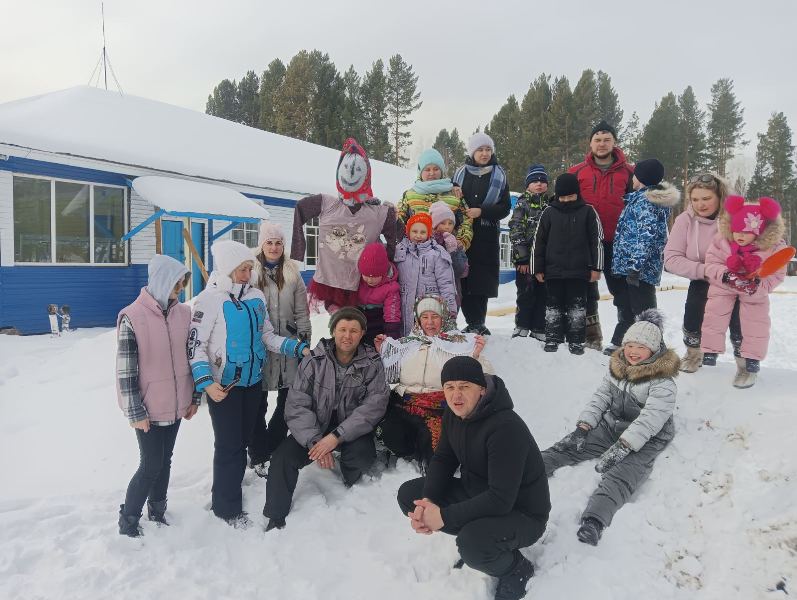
(748, 235)
(379, 294)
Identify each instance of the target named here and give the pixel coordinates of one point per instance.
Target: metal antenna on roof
(104, 61)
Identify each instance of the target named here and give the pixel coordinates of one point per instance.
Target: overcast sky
(469, 55)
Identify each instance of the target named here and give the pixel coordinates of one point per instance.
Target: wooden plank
(195, 254)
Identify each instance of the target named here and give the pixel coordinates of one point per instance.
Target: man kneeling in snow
(339, 395)
(501, 501)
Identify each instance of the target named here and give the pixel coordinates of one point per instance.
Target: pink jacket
(387, 294)
(164, 375)
(690, 238)
(753, 309)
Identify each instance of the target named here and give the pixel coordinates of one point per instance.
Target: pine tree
(223, 102)
(452, 149)
(328, 98)
(504, 128)
(559, 133)
(352, 119)
(661, 137)
(585, 110)
(293, 111)
(248, 98)
(631, 139)
(402, 101)
(609, 103)
(774, 173)
(374, 103)
(724, 130)
(693, 137)
(533, 146)
(270, 83)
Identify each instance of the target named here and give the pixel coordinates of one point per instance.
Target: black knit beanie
(603, 126)
(566, 185)
(463, 368)
(347, 313)
(649, 172)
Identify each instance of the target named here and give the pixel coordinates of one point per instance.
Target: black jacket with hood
(569, 241)
(500, 464)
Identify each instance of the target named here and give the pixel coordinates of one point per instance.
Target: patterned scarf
(497, 183)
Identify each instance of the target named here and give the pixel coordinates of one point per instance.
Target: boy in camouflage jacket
(530, 317)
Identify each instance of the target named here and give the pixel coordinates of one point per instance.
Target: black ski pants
(695, 308)
(612, 282)
(266, 439)
(631, 300)
(233, 423)
(487, 544)
(530, 303)
(356, 457)
(565, 310)
(474, 307)
(151, 480)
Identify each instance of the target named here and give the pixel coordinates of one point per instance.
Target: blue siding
(95, 294)
(47, 169)
(506, 276)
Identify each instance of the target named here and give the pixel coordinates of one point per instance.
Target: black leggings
(155, 463)
(695, 308)
(266, 439)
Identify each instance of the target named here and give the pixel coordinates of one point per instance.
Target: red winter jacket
(605, 190)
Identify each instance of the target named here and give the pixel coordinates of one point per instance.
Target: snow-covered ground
(717, 519)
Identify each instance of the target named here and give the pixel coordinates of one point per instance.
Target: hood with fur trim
(769, 238)
(662, 364)
(665, 194)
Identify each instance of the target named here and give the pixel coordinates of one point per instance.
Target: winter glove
(450, 242)
(747, 286)
(632, 278)
(576, 440)
(751, 263)
(615, 454)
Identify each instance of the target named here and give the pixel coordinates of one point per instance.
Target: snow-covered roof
(186, 196)
(104, 125)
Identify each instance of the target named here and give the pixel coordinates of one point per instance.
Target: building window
(65, 222)
(311, 237)
(506, 251)
(245, 233)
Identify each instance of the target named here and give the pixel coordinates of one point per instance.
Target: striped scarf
(497, 183)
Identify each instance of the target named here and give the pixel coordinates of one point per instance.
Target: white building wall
(142, 245)
(6, 219)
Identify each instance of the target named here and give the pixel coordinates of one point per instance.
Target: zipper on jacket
(171, 357)
(594, 182)
(251, 344)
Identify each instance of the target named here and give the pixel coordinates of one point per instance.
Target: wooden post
(158, 236)
(194, 253)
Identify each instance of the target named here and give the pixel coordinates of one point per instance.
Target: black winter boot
(551, 346)
(590, 531)
(709, 359)
(156, 511)
(577, 349)
(275, 524)
(239, 521)
(128, 524)
(512, 586)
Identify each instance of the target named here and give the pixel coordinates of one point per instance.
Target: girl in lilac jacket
(748, 235)
(424, 269)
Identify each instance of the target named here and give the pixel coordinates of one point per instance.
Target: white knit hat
(268, 231)
(479, 139)
(228, 256)
(430, 303)
(647, 330)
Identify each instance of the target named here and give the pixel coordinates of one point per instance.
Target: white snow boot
(692, 360)
(745, 378)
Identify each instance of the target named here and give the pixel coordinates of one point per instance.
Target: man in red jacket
(604, 177)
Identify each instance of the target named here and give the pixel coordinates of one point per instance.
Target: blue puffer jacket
(642, 232)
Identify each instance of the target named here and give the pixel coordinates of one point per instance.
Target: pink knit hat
(373, 260)
(269, 231)
(440, 211)
(751, 218)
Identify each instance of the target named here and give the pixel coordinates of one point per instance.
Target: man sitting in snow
(501, 502)
(337, 398)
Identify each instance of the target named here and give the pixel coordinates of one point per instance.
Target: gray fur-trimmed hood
(665, 194)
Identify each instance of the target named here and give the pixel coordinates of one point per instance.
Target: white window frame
(311, 230)
(91, 185)
(505, 245)
(246, 228)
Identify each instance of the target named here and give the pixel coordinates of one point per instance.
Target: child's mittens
(747, 286)
(612, 457)
(751, 263)
(450, 242)
(734, 263)
(575, 440)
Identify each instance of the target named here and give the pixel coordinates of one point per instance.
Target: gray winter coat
(312, 398)
(636, 401)
(288, 313)
(424, 269)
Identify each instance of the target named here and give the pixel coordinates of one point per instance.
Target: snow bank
(717, 519)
